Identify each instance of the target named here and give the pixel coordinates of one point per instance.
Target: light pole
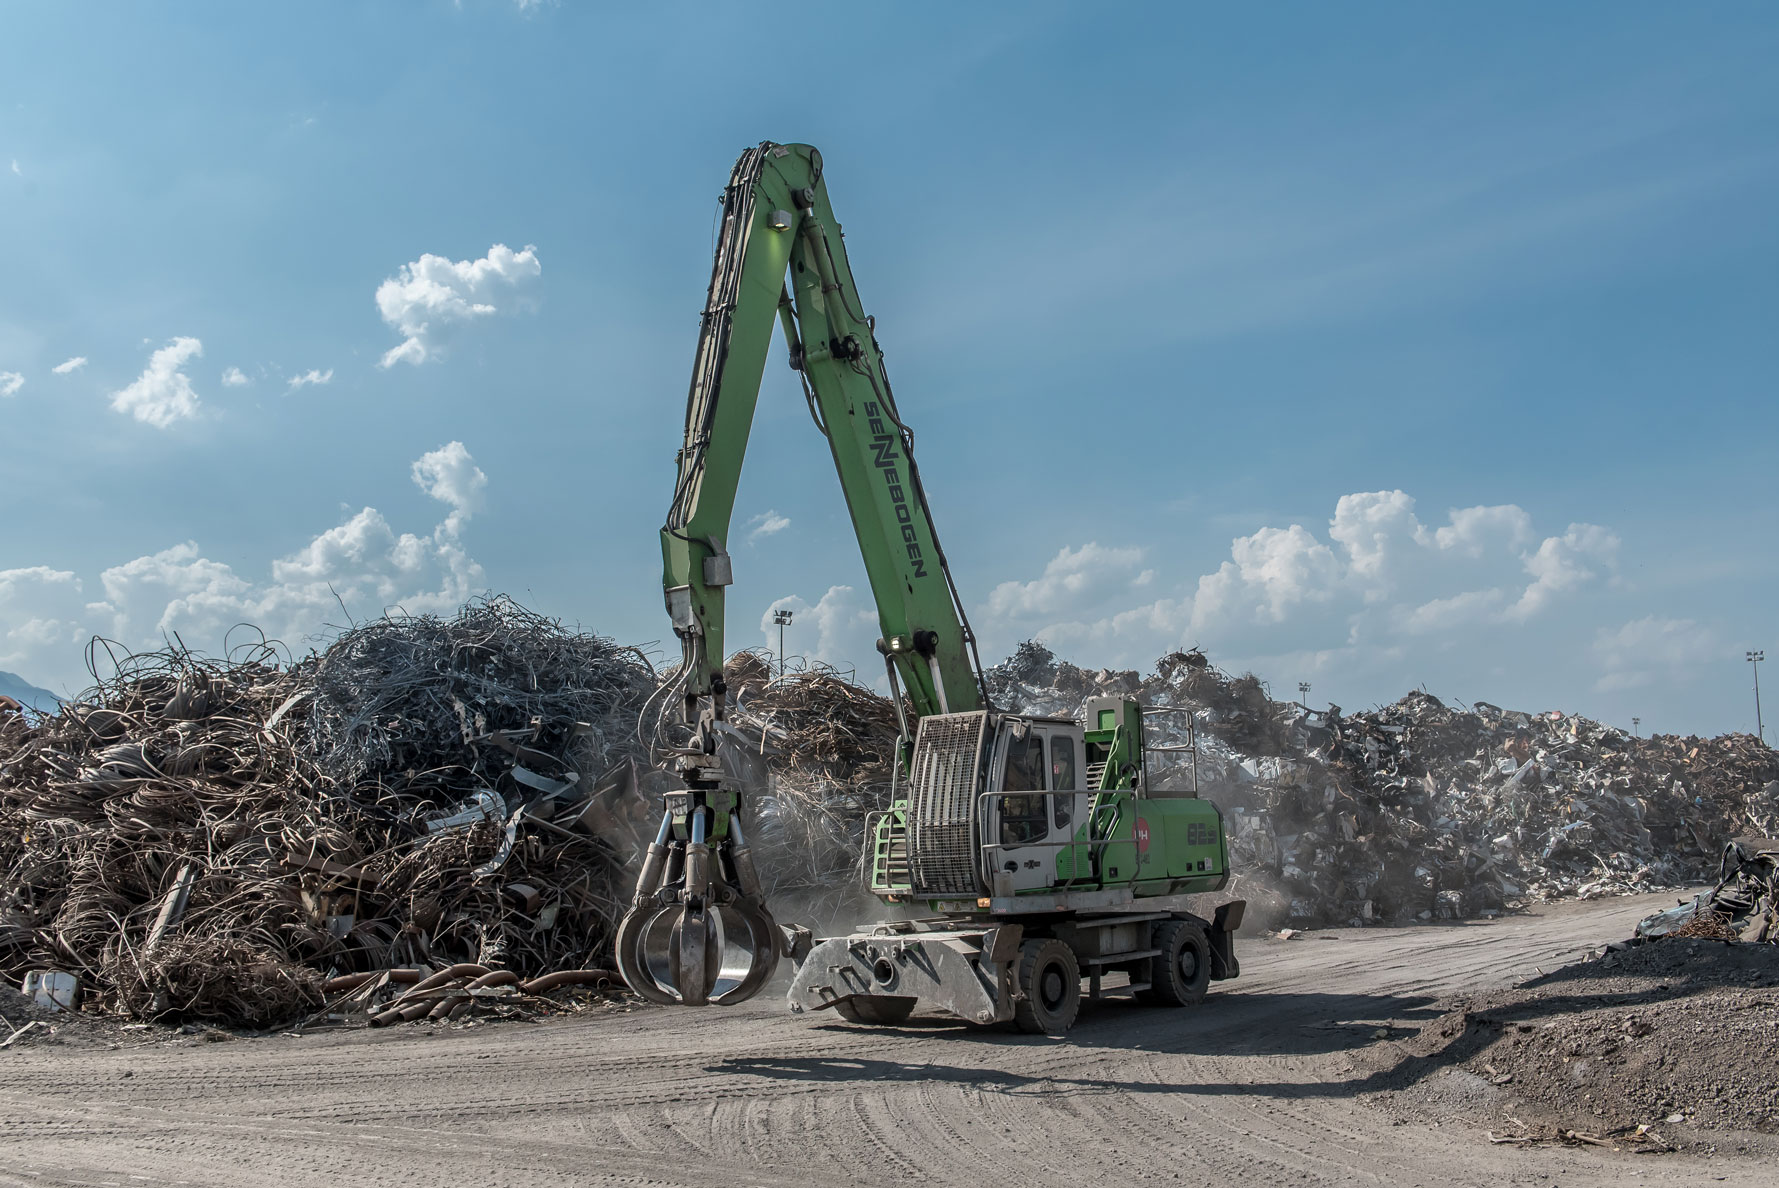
(1755, 658)
(1303, 691)
(783, 619)
(1636, 723)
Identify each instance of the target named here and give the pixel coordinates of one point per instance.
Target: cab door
(1069, 802)
(1039, 809)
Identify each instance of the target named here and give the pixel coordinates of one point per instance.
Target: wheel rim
(1053, 989)
(1188, 964)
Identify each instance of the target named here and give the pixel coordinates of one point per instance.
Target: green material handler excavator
(1034, 853)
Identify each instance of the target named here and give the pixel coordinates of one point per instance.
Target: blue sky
(1378, 348)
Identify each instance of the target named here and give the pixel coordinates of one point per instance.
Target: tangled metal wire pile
(210, 839)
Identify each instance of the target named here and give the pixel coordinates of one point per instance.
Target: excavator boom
(778, 226)
(698, 929)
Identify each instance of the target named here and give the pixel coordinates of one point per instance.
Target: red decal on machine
(1142, 836)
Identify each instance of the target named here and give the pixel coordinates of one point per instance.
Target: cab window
(1062, 763)
(1025, 764)
(1062, 778)
(1022, 817)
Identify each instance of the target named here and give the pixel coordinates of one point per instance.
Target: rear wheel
(1050, 988)
(1180, 974)
(878, 1009)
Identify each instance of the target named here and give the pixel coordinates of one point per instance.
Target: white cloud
(39, 607)
(10, 383)
(1653, 648)
(1473, 529)
(1271, 572)
(234, 377)
(71, 366)
(15, 168)
(1562, 563)
(1071, 580)
(433, 294)
(311, 376)
(1381, 581)
(1372, 525)
(845, 631)
(162, 394)
(1443, 614)
(450, 475)
(363, 562)
(767, 523)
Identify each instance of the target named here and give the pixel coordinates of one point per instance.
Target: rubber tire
(1049, 988)
(875, 1009)
(1181, 973)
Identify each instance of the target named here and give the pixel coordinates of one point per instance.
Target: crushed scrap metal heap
(210, 839)
(1418, 810)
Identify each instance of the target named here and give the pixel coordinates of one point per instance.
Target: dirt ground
(1302, 1072)
(1672, 1044)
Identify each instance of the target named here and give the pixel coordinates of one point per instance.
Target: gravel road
(1262, 1085)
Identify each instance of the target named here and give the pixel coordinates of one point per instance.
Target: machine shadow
(1258, 1025)
(1254, 1024)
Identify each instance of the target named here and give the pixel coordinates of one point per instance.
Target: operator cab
(1035, 809)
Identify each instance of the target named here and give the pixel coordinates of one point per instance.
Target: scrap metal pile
(212, 840)
(823, 751)
(435, 815)
(1418, 810)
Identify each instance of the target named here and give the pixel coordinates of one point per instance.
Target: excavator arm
(698, 929)
(778, 224)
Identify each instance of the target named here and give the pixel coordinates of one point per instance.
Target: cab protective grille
(942, 803)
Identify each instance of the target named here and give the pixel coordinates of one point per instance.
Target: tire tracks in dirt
(1257, 1086)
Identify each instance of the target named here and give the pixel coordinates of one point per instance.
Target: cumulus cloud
(1071, 581)
(1380, 579)
(840, 628)
(429, 297)
(10, 383)
(1564, 562)
(451, 476)
(767, 523)
(1474, 531)
(71, 366)
(308, 378)
(364, 563)
(162, 394)
(234, 377)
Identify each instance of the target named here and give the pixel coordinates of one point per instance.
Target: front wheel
(1180, 974)
(1050, 988)
(880, 1009)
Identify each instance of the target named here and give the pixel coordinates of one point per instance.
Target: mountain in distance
(24, 692)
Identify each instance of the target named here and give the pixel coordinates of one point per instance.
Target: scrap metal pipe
(445, 976)
(570, 977)
(353, 981)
